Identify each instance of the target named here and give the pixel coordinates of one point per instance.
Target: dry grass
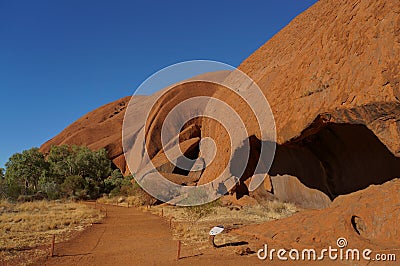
(192, 225)
(28, 225)
(137, 200)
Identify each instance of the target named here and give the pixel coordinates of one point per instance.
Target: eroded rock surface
(332, 81)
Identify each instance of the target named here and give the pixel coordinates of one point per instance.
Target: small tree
(24, 170)
(78, 160)
(50, 187)
(60, 162)
(92, 166)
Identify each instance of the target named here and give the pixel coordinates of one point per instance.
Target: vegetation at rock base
(66, 172)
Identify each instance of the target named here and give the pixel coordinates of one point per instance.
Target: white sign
(216, 230)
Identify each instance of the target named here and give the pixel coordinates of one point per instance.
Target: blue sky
(62, 59)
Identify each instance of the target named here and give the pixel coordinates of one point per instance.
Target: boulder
(366, 219)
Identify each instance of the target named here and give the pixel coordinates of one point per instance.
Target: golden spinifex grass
(30, 224)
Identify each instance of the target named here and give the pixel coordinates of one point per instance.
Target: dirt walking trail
(126, 237)
(129, 236)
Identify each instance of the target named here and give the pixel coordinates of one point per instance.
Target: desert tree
(23, 170)
(69, 162)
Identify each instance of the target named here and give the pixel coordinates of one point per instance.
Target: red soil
(129, 236)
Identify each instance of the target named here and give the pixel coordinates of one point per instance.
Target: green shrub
(73, 184)
(118, 185)
(51, 188)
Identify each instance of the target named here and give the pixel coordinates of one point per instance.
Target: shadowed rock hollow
(366, 219)
(345, 158)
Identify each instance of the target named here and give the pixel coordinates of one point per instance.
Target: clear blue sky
(62, 59)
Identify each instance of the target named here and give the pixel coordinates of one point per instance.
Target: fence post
(52, 246)
(179, 250)
(211, 240)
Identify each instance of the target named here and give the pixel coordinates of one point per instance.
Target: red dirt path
(129, 236)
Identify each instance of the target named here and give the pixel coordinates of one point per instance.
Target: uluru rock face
(340, 57)
(102, 128)
(332, 80)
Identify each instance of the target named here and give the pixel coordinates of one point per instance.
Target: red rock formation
(366, 219)
(332, 80)
(333, 68)
(102, 128)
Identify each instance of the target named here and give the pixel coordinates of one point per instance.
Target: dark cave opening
(191, 129)
(241, 188)
(336, 159)
(192, 154)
